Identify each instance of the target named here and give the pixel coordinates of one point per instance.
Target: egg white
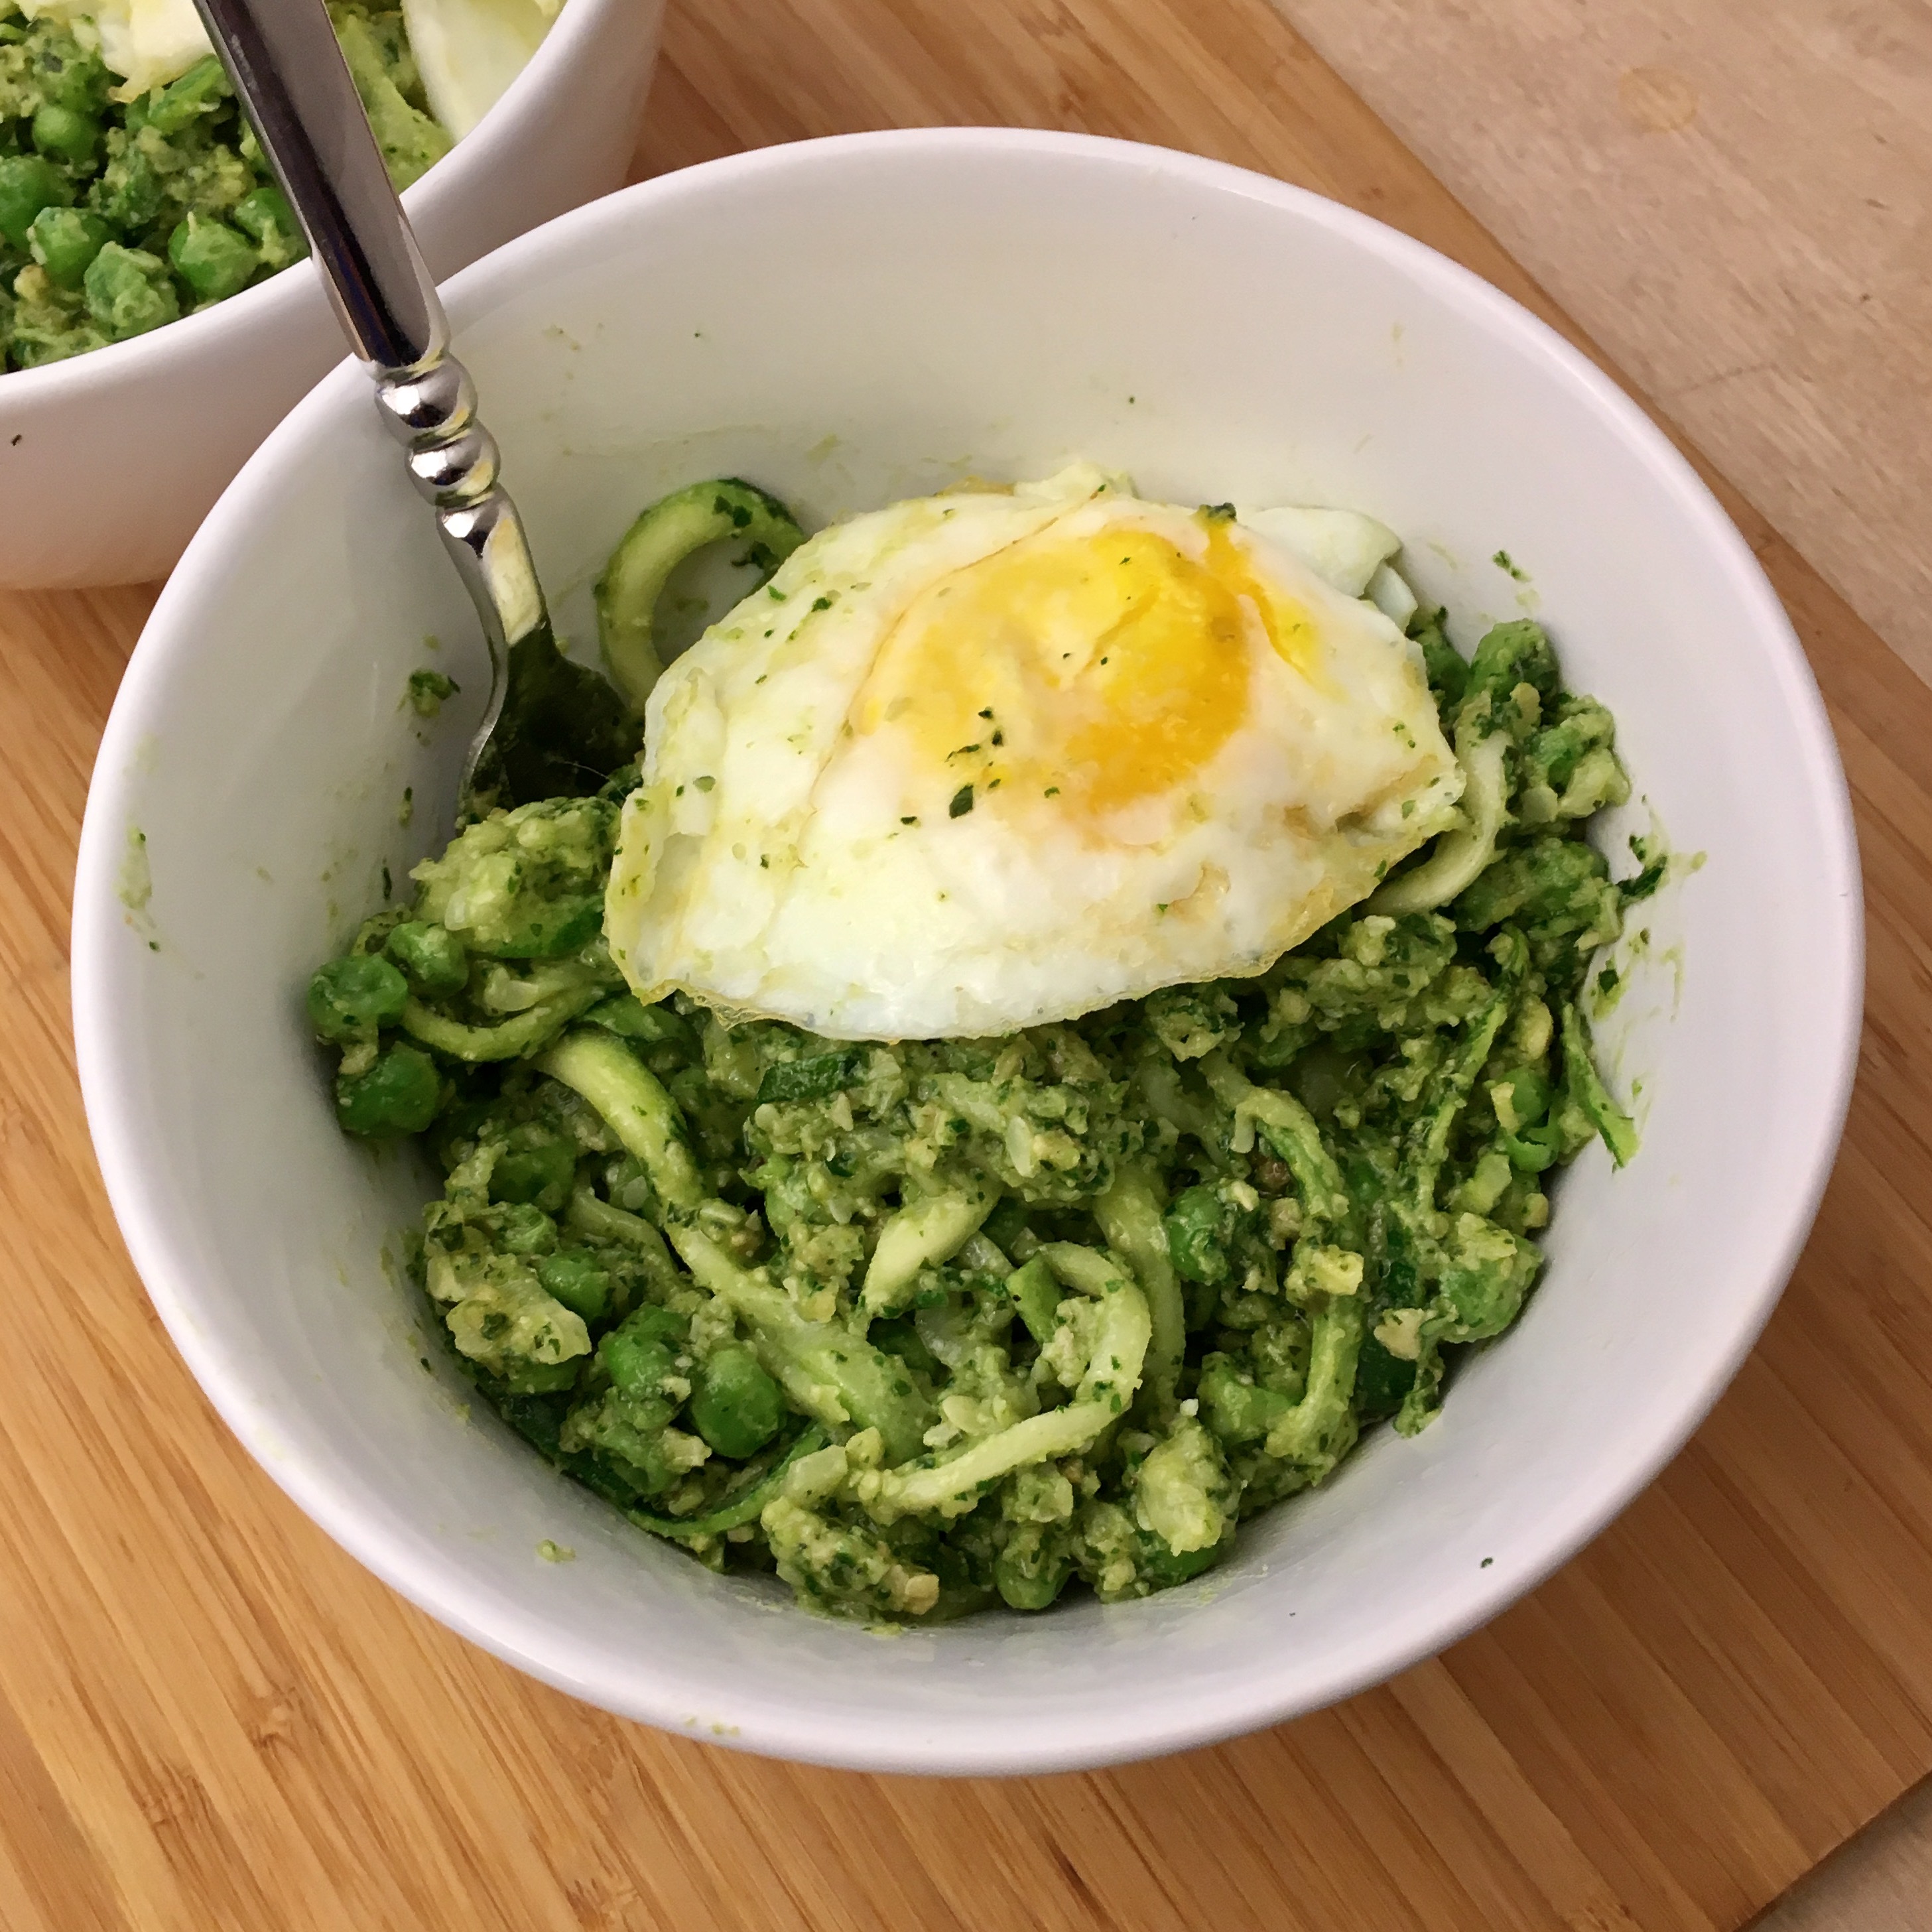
(798, 848)
(468, 52)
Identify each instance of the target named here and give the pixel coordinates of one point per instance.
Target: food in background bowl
(132, 190)
(109, 460)
(1058, 1104)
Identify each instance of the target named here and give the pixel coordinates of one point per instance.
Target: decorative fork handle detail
(452, 460)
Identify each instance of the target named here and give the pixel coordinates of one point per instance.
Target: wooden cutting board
(210, 1717)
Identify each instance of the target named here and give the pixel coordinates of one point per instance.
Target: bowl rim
(1130, 1730)
(142, 356)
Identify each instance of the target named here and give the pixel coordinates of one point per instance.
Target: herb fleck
(1645, 882)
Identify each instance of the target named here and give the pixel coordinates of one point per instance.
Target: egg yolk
(1095, 670)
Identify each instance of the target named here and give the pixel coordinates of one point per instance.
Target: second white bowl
(109, 461)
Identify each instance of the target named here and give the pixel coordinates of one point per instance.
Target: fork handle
(287, 67)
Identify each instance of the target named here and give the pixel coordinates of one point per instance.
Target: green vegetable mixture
(928, 1326)
(116, 217)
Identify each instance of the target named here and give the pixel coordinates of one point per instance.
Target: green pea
(637, 1363)
(735, 1406)
(27, 184)
(1238, 1411)
(398, 1095)
(129, 292)
(213, 259)
(350, 998)
(540, 1176)
(527, 1377)
(261, 210)
(64, 241)
(575, 1279)
(659, 1324)
(1164, 1567)
(200, 90)
(527, 1230)
(65, 134)
(269, 221)
(1529, 1095)
(432, 955)
(1030, 1573)
(1198, 1227)
(639, 1353)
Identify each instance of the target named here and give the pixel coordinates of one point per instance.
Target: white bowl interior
(843, 322)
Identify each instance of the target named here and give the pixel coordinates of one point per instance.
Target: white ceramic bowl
(844, 321)
(109, 461)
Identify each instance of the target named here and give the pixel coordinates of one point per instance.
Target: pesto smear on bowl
(926, 1326)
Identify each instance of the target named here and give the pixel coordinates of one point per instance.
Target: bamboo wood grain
(1734, 198)
(209, 1717)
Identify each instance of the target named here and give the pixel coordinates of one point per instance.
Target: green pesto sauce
(137, 881)
(116, 218)
(427, 691)
(929, 1327)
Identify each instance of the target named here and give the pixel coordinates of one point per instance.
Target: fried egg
(993, 757)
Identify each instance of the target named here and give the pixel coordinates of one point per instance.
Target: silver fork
(550, 725)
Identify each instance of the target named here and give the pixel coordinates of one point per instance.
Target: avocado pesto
(428, 690)
(926, 1326)
(117, 216)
